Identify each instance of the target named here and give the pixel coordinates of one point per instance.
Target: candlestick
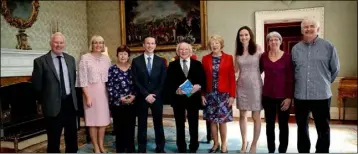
(50, 30)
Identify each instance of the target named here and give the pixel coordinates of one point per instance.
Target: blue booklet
(186, 87)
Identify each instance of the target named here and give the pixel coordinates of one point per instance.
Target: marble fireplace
(17, 65)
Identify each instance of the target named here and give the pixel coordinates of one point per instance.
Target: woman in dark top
(277, 91)
(121, 94)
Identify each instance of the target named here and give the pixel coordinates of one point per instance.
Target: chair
(347, 89)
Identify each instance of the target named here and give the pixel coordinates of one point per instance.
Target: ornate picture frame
(17, 13)
(169, 22)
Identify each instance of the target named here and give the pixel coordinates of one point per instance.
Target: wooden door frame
(285, 47)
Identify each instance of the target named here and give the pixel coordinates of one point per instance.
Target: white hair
(96, 38)
(189, 45)
(57, 34)
(315, 22)
(273, 34)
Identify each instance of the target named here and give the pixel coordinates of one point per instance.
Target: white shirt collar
(146, 58)
(147, 55)
(53, 55)
(187, 60)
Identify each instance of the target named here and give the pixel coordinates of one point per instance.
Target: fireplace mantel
(15, 63)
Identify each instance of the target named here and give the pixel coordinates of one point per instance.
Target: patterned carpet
(343, 139)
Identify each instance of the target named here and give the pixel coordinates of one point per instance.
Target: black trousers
(272, 107)
(208, 131)
(157, 114)
(321, 114)
(124, 118)
(193, 120)
(54, 125)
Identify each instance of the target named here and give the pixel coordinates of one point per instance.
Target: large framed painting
(170, 22)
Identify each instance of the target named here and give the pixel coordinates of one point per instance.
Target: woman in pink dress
(92, 77)
(249, 84)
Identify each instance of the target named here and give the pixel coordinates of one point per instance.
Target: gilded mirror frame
(18, 22)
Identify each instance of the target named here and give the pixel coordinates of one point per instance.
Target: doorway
(290, 32)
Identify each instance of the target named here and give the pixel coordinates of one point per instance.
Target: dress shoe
(224, 151)
(214, 150)
(96, 152)
(160, 151)
(104, 151)
(192, 151)
(142, 151)
(182, 150)
(130, 151)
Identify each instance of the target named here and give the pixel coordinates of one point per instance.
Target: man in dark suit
(180, 70)
(54, 77)
(149, 74)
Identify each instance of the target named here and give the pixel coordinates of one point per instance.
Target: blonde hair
(189, 45)
(216, 38)
(96, 38)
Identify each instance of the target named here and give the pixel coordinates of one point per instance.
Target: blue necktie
(149, 65)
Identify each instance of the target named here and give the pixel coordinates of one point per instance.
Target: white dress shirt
(187, 63)
(146, 59)
(64, 70)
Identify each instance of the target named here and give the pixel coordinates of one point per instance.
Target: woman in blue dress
(121, 94)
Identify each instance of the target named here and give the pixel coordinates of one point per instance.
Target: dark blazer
(176, 76)
(149, 84)
(47, 83)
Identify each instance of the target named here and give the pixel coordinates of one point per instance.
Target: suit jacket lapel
(155, 63)
(69, 66)
(191, 67)
(178, 67)
(144, 65)
(222, 62)
(51, 65)
(210, 64)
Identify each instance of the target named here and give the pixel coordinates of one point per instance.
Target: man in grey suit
(54, 77)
